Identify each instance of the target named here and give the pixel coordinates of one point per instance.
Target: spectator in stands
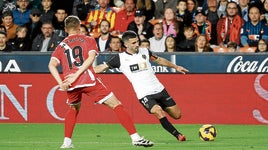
(202, 25)
(231, 46)
(34, 26)
(47, 40)
(47, 13)
(21, 42)
(124, 17)
(145, 43)
(170, 24)
(140, 26)
(202, 44)
(7, 19)
(170, 44)
(243, 7)
(82, 7)
(21, 15)
(58, 23)
(262, 46)
(148, 7)
(4, 47)
(182, 14)
(84, 30)
(96, 16)
(191, 8)
(157, 42)
(115, 45)
(254, 29)
(229, 27)
(212, 17)
(2, 28)
(161, 5)
(187, 45)
(264, 12)
(104, 39)
(222, 8)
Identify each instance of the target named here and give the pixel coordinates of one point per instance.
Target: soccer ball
(207, 132)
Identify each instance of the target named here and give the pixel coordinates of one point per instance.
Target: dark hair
(3, 27)
(187, 27)
(185, 1)
(84, 26)
(7, 13)
(104, 20)
(144, 41)
(231, 44)
(175, 45)
(128, 35)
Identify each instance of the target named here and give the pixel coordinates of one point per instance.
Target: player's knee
(157, 111)
(177, 115)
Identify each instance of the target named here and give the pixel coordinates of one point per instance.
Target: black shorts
(163, 99)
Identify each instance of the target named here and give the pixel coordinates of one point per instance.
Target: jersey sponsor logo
(138, 67)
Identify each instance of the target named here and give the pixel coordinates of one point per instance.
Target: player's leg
(159, 113)
(151, 104)
(173, 112)
(74, 102)
(126, 121)
(170, 106)
(106, 97)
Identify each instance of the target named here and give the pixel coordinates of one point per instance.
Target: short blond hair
(72, 22)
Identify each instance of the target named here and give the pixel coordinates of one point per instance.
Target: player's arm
(69, 79)
(114, 62)
(52, 66)
(101, 68)
(164, 62)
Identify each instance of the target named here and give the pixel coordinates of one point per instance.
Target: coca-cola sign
(240, 65)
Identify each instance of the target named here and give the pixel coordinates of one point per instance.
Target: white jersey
(137, 68)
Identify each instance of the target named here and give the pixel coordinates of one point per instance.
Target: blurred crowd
(162, 25)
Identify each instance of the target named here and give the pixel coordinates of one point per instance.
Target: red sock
(125, 119)
(70, 120)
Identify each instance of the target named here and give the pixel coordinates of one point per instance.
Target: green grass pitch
(114, 137)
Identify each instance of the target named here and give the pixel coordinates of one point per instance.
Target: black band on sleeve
(114, 62)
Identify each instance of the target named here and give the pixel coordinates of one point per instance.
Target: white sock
(67, 141)
(135, 137)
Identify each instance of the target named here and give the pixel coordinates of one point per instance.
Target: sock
(135, 137)
(125, 119)
(70, 120)
(67, 141)
(169, 127)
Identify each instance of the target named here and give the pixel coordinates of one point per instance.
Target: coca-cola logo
(238, 64)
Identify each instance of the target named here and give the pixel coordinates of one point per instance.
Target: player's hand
(64, 86)
(182, 69)
(69, 79)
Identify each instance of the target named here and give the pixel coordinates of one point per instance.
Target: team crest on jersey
(144, 57)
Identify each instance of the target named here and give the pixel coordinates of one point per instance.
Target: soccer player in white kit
(76, 54)
(135, 65)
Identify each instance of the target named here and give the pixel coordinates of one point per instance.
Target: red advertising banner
(203, 98)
